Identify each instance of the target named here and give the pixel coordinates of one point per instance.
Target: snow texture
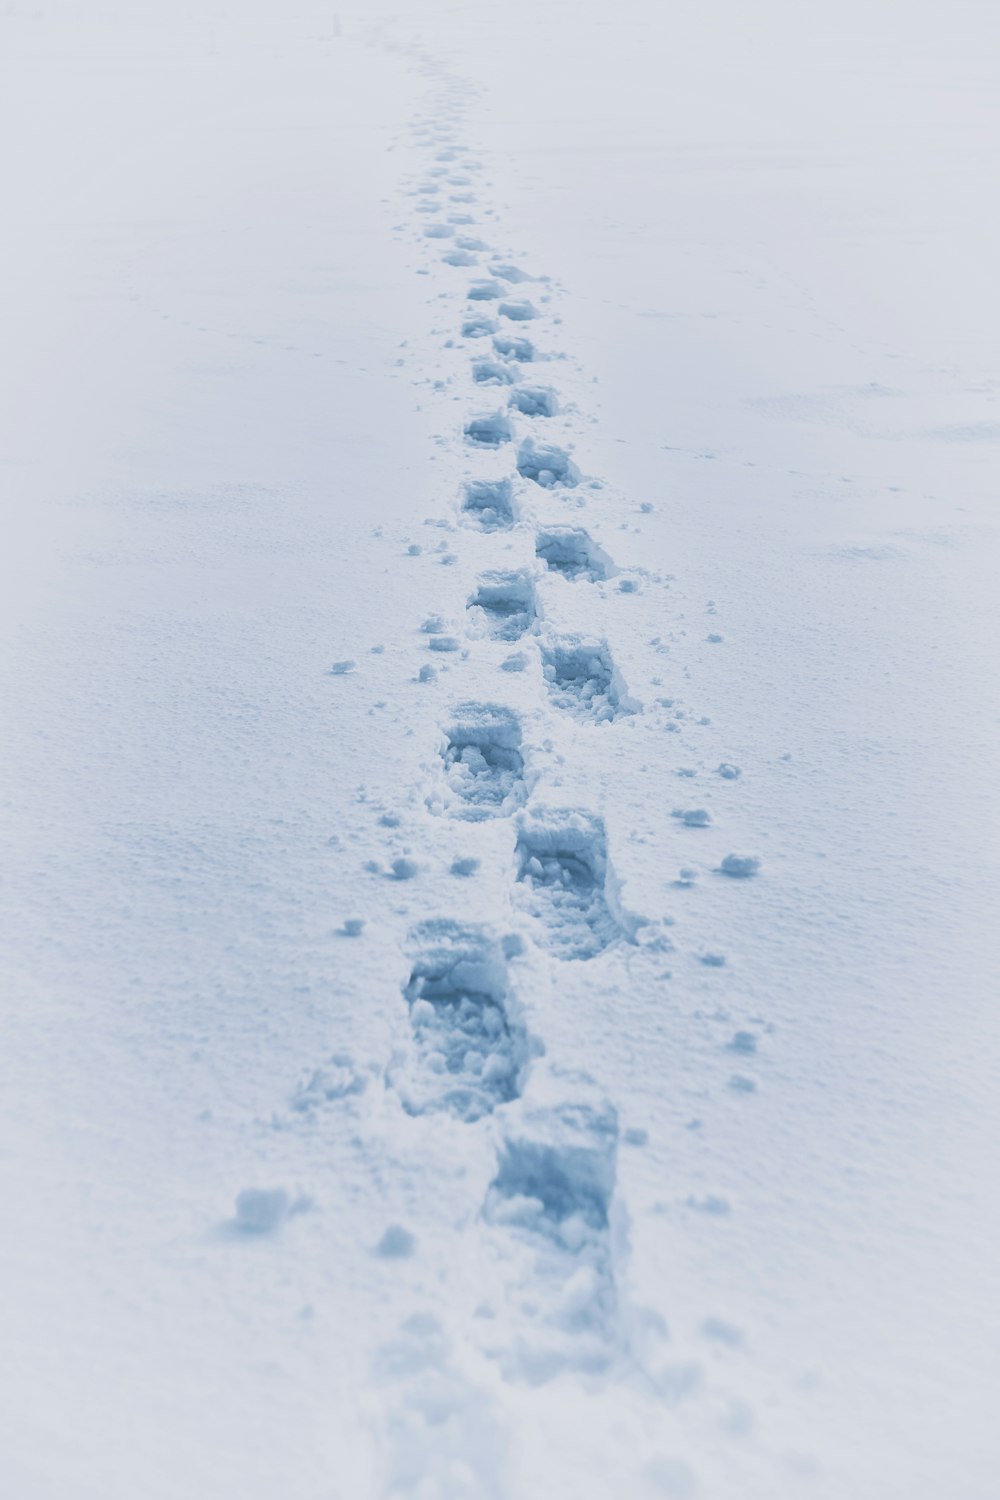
(500, 812)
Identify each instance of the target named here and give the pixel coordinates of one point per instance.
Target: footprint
(513, 274)
(459, 258)
(478, 327)
(438, 231)
(547, 465)
(489, 430)
(506, 604)
(583, 681)
(492, 372)
(561, 1163)
(535, 401)
(523, 350)
(467, 1053)
(483, 765)
(489, 503)
(570, 551)
(484, 291)
(518, 312)
(562, 871)
(553, 1190)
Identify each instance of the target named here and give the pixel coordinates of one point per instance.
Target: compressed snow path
(500, 818)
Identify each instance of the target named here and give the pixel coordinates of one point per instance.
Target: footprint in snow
(583, 681)
(562, 878)
(466, 1051)
(570, 552)
(483, 763)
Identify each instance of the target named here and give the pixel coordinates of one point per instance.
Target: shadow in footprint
(534, 401)
(583, 681)
(561, 881)
(478, 327)
(553, 1192)
(571, 552)
(483, 764)
(493, 372)
(547, 465)
(505, 603)
(488, 504)
(467, 1053)
(518, 311)
(489, 430)
(521, 349)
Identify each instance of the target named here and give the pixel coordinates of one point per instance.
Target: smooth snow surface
(500, 755)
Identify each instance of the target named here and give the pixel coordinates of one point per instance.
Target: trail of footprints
(469, 1053)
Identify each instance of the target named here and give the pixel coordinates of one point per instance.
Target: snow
(499, 812)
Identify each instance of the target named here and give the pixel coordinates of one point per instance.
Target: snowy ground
(500, 672)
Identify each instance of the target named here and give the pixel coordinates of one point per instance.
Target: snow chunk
(396, 1244)
(262, 1210)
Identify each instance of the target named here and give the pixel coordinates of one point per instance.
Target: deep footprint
(489, 503)
(553, 1191)
(506, 603)
(570, 551)
(535, 401)
(518, 311)
(562, 872)
(489, 430)
(478, 327)
(523, 350)
(546, 465)
(467, 1053)
(484, 291)
(483, 764)
(582, 680)
(560, 1162)
(513, 274)
(492, 372)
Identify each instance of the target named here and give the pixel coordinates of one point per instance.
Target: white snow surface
(500, 852)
